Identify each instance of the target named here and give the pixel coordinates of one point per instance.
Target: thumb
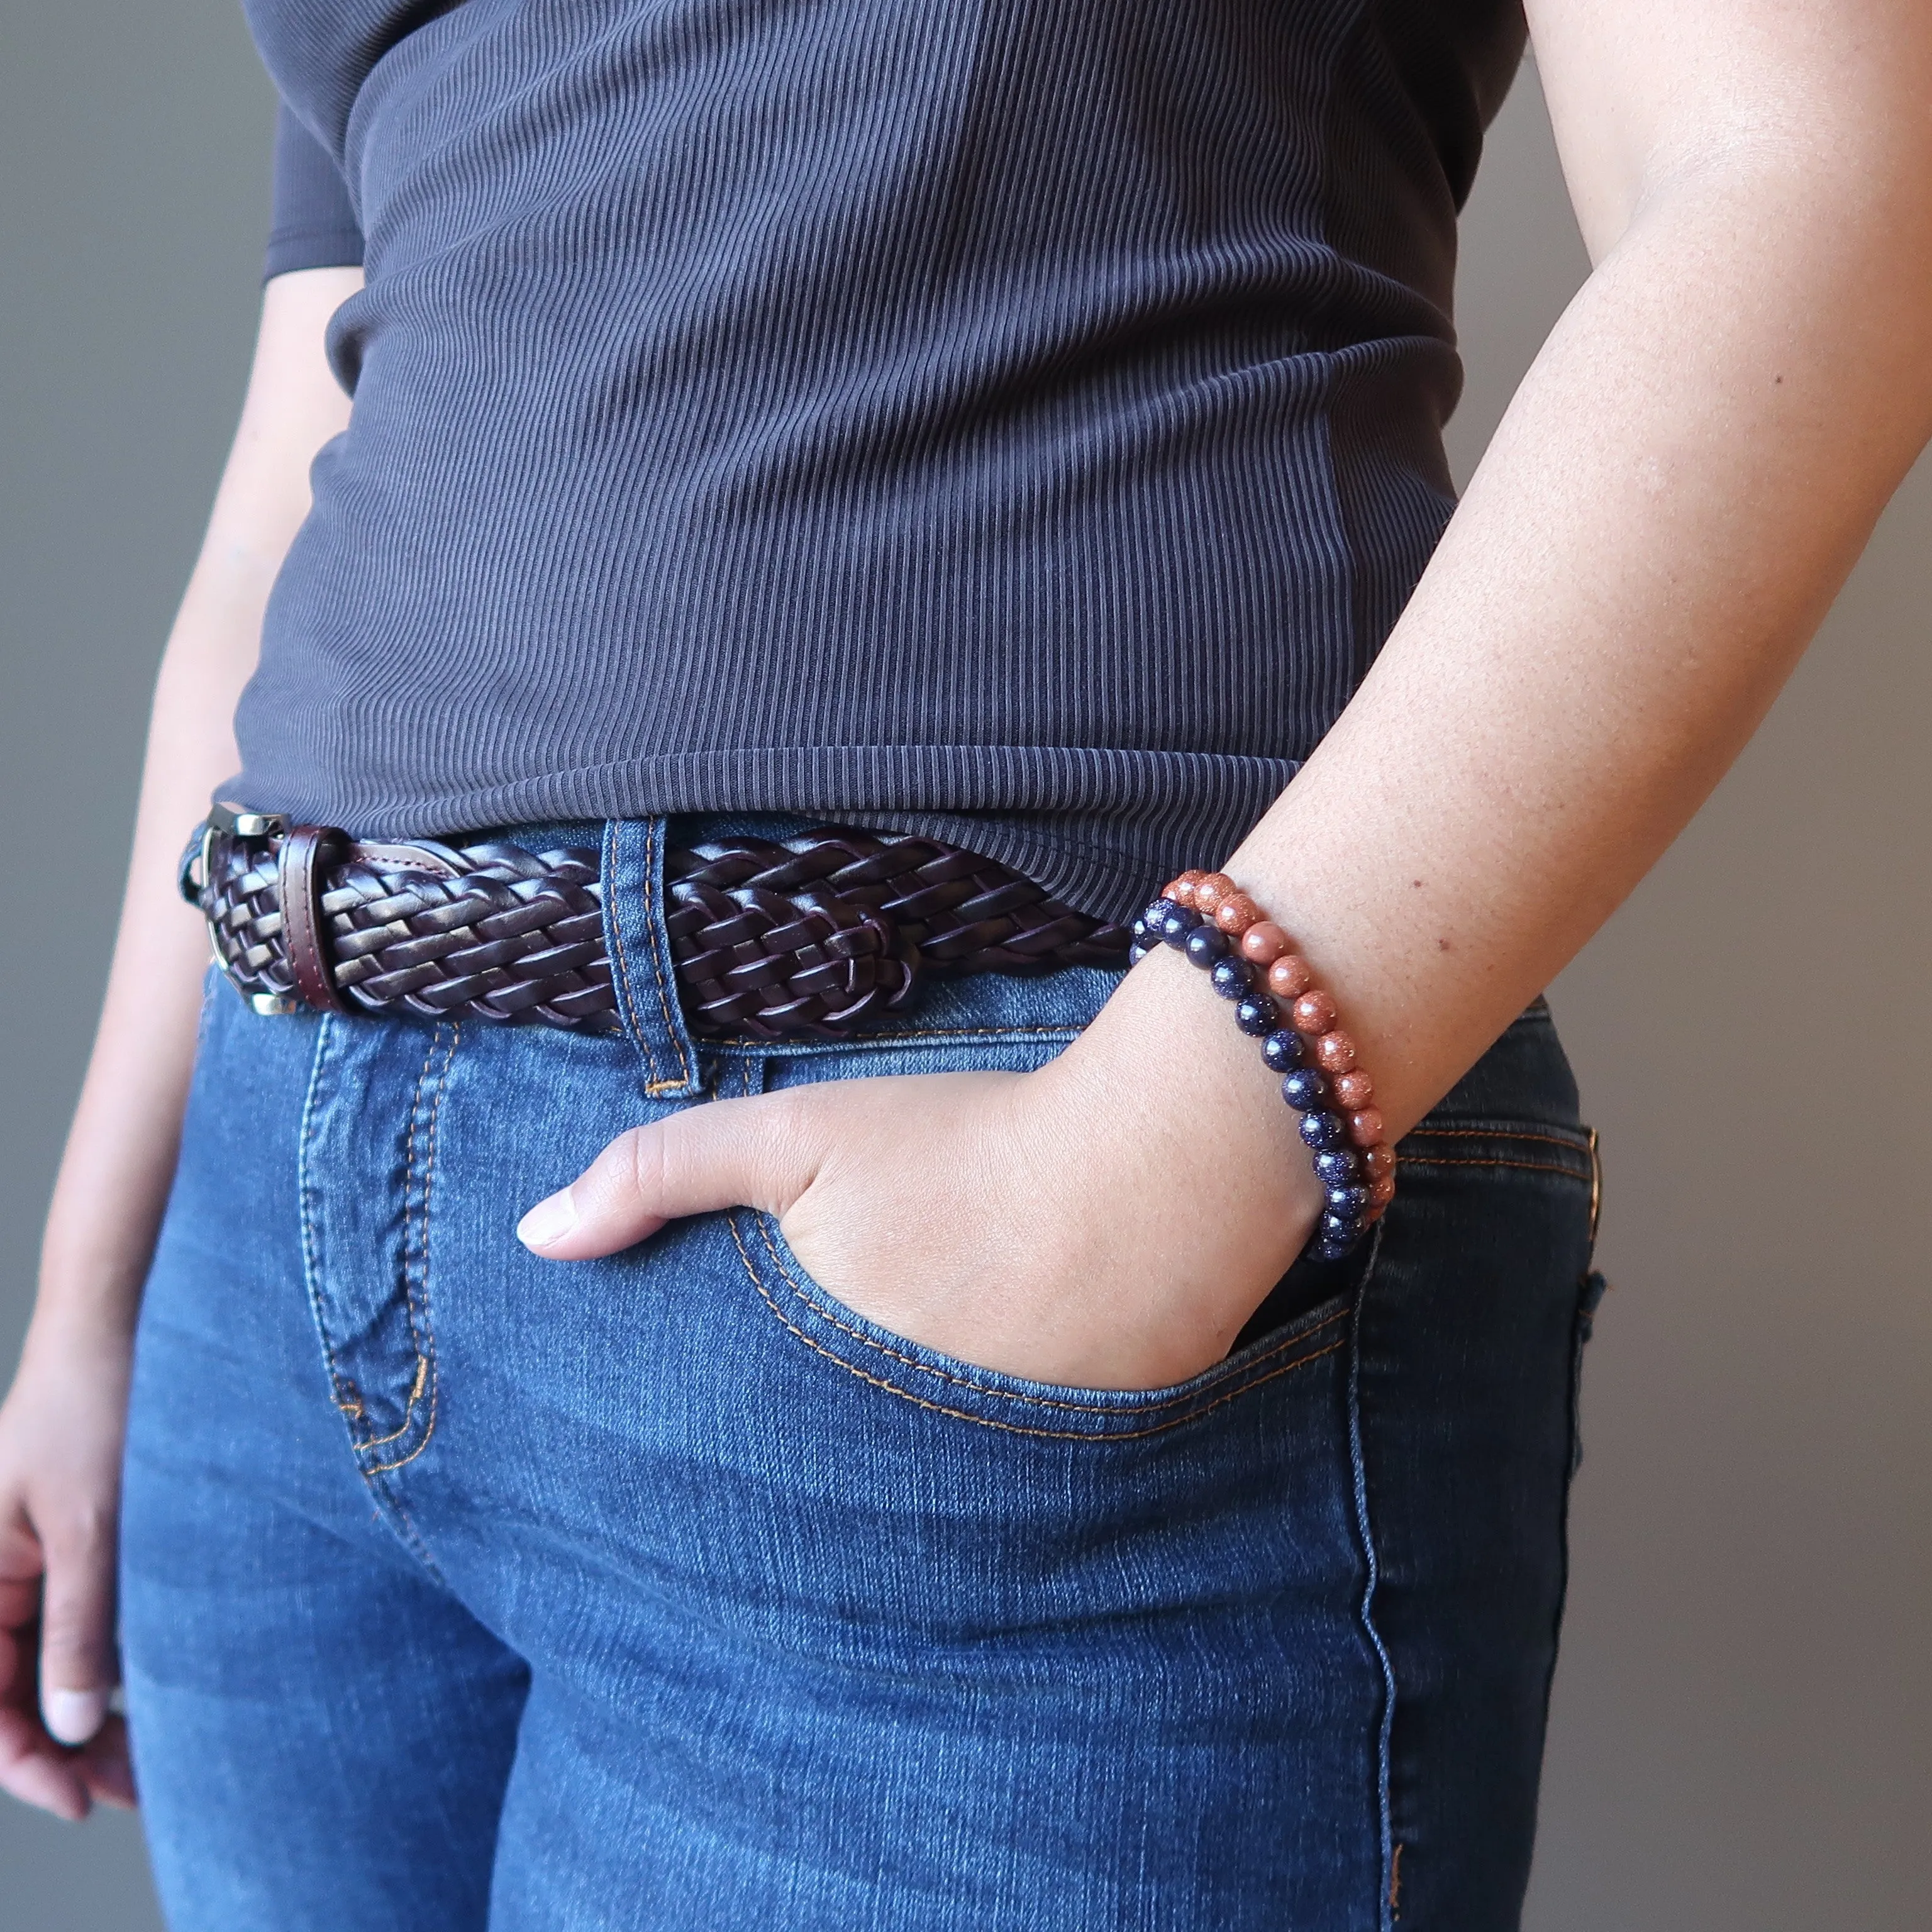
(77, 1662)
(761, 1152)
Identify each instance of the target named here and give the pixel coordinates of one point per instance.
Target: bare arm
(60, 1430)
(1680, 487)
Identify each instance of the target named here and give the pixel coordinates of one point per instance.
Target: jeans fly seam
(425, 1348)
(1385, 1731)
(405, 1531)
(409, 1236)
(409, 1227)
(311, 1265)
(987, 1421)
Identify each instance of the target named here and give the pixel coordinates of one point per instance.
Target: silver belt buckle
(227, 820)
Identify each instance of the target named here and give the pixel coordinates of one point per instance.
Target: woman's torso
(1019, 422)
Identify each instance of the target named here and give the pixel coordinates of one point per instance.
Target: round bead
(1257, 1016)
(1290, 976)
(1181, 889)
(1379, 1161)
(1304, 1090)
(1335, 1051)
(1365, 1128)
(1232, 978)
(1334, 1226)
(1156, 910)
(1235, 914)
(1323, 1130)
(1339, 1167)
(1350, 1200)
(1210, 891)
(1326, 1250)
(1382, 1190)
(1264, 943)
(1354, 1090)
(1283, 1051)
(1206, 944)
(1137, 952)
(1176, 923)
(1314, 1013)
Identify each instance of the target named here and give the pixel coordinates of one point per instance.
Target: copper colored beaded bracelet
(1253, 961)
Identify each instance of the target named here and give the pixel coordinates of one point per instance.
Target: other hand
(61, 1430)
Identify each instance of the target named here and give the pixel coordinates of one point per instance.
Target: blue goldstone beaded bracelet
(1351, 1190)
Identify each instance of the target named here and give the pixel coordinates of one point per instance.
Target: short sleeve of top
(314, 224)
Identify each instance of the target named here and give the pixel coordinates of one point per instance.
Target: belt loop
(305, 850)
(639, 946)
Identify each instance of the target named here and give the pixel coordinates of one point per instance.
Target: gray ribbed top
(1019, 421)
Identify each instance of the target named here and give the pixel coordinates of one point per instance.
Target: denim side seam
(1388, 1902)
(1251, 1382)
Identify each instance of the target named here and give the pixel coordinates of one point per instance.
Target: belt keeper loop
(305, 850)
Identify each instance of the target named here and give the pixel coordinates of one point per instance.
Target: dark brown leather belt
(807, 938)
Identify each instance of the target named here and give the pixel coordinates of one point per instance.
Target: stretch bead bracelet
(1253, 962)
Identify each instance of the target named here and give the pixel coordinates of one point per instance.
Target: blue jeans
(461, 1588)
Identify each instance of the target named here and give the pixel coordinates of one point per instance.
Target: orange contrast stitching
(1427, 1133)
(1008, 1395)
(356, 1410)
(1014, 1428)
(1520, 1166)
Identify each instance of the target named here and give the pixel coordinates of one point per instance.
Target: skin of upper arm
(293, 405)
(1642, 92)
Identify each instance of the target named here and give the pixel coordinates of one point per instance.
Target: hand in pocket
(1011, 1220)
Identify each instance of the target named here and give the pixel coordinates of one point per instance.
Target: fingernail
(73, 1716)
(548, 1221)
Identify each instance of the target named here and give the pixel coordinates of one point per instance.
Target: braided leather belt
(807, 938)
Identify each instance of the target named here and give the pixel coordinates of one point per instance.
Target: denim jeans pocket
(893, 1367)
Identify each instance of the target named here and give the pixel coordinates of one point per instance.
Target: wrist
(1200, 1135)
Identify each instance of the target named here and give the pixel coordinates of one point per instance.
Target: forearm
(120, 1155)
(1679, 490)
(1683, 481)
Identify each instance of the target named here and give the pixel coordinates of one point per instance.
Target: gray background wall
(1741, 1735)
